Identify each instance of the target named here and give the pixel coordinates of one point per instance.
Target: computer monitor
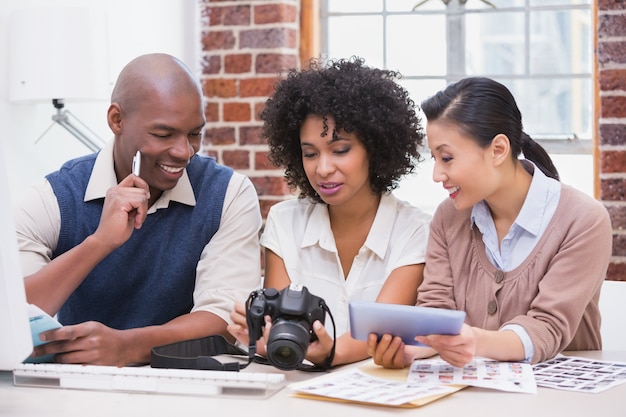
(15, 337)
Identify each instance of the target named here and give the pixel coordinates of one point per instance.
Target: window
(540, 49)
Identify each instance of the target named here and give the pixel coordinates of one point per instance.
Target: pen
(137, 163)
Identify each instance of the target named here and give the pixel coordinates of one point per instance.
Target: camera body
(293, 312)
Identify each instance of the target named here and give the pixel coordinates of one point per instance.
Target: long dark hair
(483, 108)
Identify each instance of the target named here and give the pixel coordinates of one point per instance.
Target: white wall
(137, 27)
(134, 27)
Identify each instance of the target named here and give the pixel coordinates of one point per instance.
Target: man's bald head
(156, 74)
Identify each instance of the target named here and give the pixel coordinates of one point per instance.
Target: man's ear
(114, 118)
(500, 149)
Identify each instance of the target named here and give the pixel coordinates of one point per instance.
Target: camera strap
(197, 354)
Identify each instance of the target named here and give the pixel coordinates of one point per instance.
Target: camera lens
(287, 343)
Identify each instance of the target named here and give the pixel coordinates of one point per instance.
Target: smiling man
(131, 261)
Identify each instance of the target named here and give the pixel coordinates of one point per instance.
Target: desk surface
(25, 401)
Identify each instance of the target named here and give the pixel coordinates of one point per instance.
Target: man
(129, 262)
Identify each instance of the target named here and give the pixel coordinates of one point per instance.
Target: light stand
(89, 139)
(60, 51)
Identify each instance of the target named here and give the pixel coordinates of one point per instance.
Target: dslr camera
(293, 311)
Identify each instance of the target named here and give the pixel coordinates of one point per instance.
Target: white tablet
(402, 320)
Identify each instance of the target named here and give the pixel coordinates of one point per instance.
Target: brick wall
(611, 70)
(246, 43)
(245, 46)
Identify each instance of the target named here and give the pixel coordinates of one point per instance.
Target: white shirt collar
(318, 228)
(530, 217)
(103, 177)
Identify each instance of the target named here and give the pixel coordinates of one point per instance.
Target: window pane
(560, 42)
(416, 44)
(420, 90)
(495, 43)
(408, 5)
(554, 107)
(478, 4)
(558, 2)
(542, 49)
(343, 6)
(346, 39)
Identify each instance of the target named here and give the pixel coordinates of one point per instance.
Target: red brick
(211, 64)
(211, 16)
(251, 135)
(610, 25)
(611, 4)
(262, 162)
(220, 87)
(219, 136)
(611, 52)
(226, 15)
(237, 112)
(212, 112)
(237, 63)
(267, 185)
(210, 152)
(618, 216)
(204, 16)
(236, 15)
(613, 106)
(258, 108)
(257, 87)
(613, 189)
(266, 204)
(275, 63)
(612, 134)
(619, 245)
(275, 13)
(614, 79)
(612, 161)
(268, 38)
(616, 272)
(218, 40)
(236, 159)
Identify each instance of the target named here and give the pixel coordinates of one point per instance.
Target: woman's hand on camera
(239, 328)
(320, 349)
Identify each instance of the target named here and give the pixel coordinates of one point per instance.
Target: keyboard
(149, 380)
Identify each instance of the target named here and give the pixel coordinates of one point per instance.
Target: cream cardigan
(553, 294)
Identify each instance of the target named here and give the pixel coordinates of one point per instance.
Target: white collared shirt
(299, 232)
(229, 267)
(539, 206)
(532, 220)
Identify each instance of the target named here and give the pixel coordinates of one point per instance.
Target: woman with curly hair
(345, 134)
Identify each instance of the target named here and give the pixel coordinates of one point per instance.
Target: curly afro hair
(361, 99)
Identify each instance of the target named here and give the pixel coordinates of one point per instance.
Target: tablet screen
(402, 320)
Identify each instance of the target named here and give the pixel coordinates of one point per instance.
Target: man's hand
(86, 343)
(125, 208)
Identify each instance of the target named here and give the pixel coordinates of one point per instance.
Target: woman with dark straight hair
(521, 253)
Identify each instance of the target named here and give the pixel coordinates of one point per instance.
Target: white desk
(23, 401)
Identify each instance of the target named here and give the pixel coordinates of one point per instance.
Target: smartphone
(137, 163)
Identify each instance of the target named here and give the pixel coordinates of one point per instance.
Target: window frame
(566, 144)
